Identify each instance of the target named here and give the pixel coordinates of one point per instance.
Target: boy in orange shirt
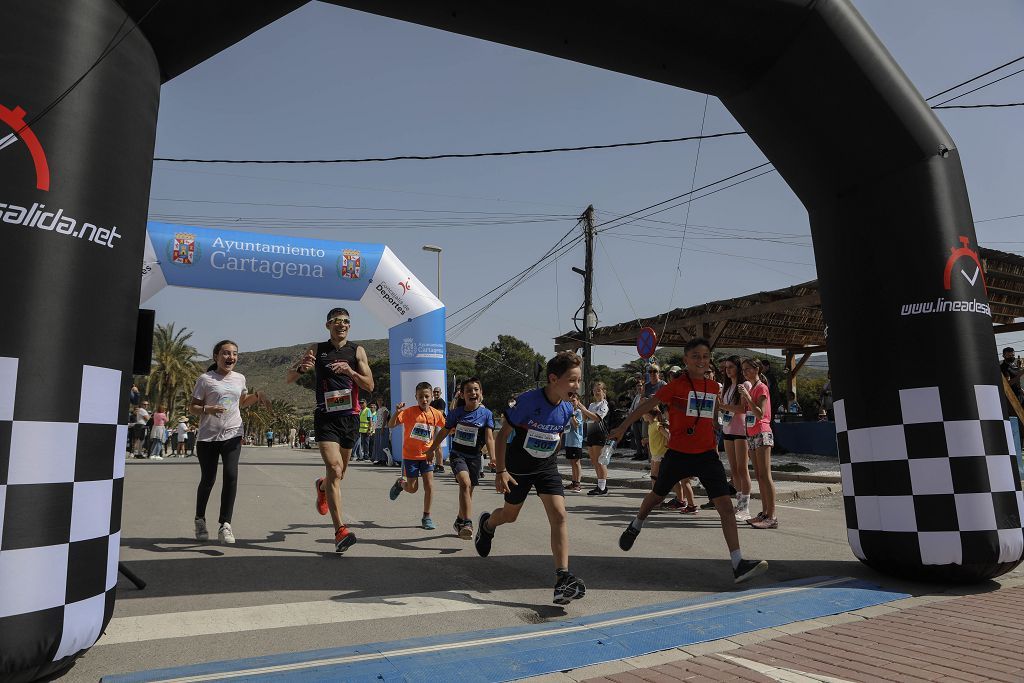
(420, 423)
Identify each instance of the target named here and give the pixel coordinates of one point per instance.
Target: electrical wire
(971, 80)
(1002, 78)
(980, 106)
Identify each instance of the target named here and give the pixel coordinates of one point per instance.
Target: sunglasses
(339, 321)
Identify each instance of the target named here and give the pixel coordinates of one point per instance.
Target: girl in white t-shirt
(734, 433)
(594, 436)
(219, 394)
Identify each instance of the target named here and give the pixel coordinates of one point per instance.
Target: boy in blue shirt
(536, 423)
(574, 449)
(472, 427)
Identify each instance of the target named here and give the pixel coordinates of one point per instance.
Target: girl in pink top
(734, 433)
(760, 439)
(158, 435)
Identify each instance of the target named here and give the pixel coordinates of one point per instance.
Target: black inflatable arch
(929, 483)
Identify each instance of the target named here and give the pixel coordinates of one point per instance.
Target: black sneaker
(748, 569)
(598, 492)
(568, 588)
(708, 506)
(628, 537)
(483, 537)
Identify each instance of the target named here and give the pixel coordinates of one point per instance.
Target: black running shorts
(546, 481)
(573, 452)
(707, 467)
(340, 429)
(596, 434)
(470, 464)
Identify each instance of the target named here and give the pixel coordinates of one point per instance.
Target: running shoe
(708, 506)
(156, 457)
(439, 469)
(628, 537)
(689, 510)
(483, 537)
(757, 519)
(343, 539)
(598, 491)
(321, 498)
(466, 531)
(225, 535)
(674, 504)
(575, 487)
(742, 515)
(396, 489)
(427, 523)
(202, 533)
(748, 569)
(568, 588)
(766, 523)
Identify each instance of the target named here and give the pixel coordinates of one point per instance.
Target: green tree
(459, 370)
(175, 367)
(506, 368)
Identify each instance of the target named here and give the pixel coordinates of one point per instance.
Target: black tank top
(335, 394)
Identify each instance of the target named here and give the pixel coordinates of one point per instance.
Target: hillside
(265, 370)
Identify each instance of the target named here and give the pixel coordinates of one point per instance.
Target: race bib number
(540, 444)
(338, 400)
(700, 403)
(421, 432)
(465, 435)
(726, 417)
(751, 420)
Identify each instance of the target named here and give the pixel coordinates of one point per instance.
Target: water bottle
(606, 452)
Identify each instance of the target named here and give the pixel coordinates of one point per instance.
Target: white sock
(602, 483)
(736, 557)
(637, 523)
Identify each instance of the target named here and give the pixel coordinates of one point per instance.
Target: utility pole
(588, 290)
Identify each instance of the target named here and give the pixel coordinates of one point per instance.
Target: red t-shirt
(691, 406)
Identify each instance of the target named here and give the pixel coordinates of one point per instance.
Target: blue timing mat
(519, 652)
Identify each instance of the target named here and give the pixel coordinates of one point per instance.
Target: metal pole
(438, 274)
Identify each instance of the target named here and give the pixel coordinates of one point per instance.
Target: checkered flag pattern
(60, 517)
(939, 488)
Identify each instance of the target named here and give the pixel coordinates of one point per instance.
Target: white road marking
(424, 649)
(777, 673)
(239, 619)
(793, 507)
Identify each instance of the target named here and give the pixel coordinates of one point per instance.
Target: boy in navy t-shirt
(471, 426)
(536, 423)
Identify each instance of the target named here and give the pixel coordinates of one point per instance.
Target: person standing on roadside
(734, 433)
(141, 418)
(158, 435)
(219, 395)
(760, 439)
(342, 370)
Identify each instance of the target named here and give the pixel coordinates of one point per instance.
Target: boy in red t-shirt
(692, 452)
(421, 423)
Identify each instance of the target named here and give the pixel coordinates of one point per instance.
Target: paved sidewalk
(960, 635)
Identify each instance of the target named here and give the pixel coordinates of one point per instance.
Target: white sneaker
(155, 457)
(225, 534)
(202, 534)
(742, 515)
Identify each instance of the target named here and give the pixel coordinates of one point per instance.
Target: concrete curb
(639, 465)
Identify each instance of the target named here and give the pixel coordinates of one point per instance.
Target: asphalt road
(281, 588)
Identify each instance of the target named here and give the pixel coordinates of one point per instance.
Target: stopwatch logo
(15, 118)
(957, 253)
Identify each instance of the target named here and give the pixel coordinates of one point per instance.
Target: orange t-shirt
(421, 426)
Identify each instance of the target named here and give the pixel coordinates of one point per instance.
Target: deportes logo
(15, 118)
(957, 253)
(406, 286)
(183, 249)
(349, 264)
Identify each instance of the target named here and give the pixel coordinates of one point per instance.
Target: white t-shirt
(213, 388)
(141, 416)
(600, 408)
(182, 430)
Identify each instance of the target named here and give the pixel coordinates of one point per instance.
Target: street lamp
(437, 250)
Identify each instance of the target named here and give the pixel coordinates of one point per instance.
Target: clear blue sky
(330, 82)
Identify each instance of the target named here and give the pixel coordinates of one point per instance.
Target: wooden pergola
(790, 319)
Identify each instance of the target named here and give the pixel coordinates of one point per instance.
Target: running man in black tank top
(342, 371)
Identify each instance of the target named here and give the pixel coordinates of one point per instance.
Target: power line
(971, 80)
(432, 157)
(1002, 78)
(980, 106)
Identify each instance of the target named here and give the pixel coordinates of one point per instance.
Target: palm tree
(175, 366)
